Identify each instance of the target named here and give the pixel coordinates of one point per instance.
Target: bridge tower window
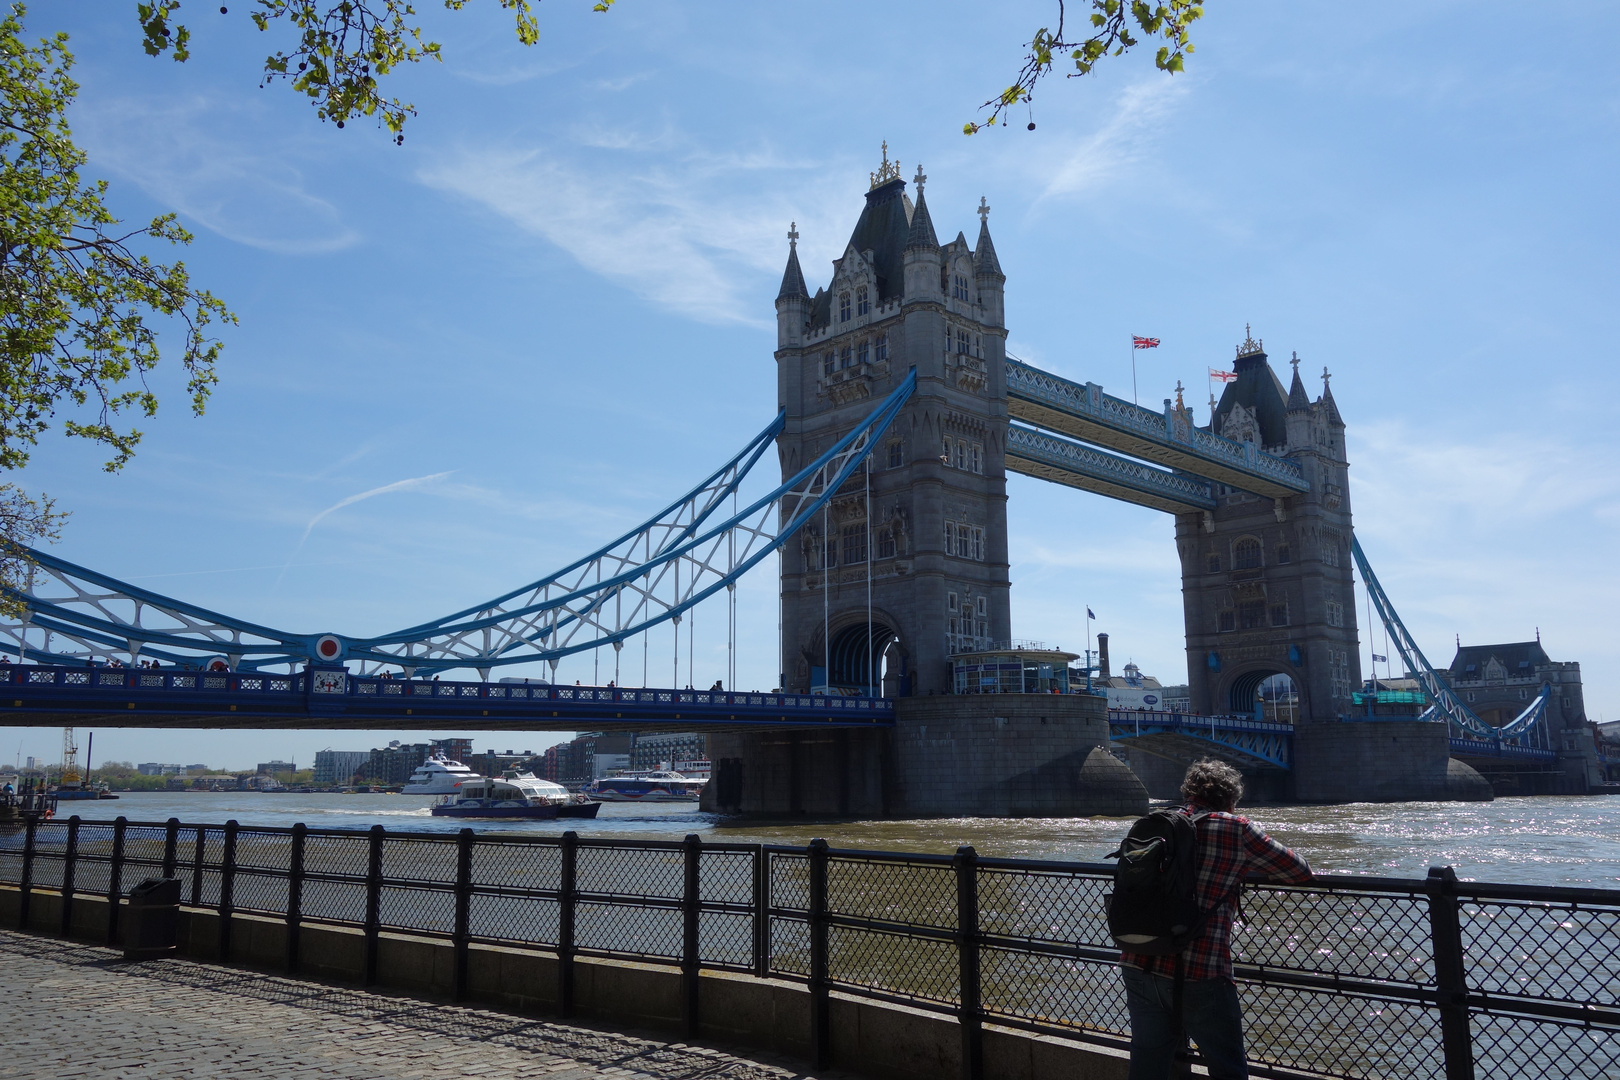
(897, 454)
(1279, 614)
(1283, 555)
(880, 351)
(1228, 621)
(960, 286)
(862, 303)
(1213, 564)
(843, 307)
(1335, 613)
(854, 544)
(829, 363)
(962, 342)
(845, 356)
(863, 353)
(1252, 614)
(950, 602)
(885, 544)
(959, 453)
(1246, 554)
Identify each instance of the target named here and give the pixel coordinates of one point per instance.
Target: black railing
(1346, 976)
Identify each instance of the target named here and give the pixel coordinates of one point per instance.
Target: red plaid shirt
(1229, 848)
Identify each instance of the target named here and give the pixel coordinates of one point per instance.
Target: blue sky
(550, 310)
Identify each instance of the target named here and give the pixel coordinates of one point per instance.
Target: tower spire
(889, 170)
(1298, 400)
(793, 277)
(984, 252)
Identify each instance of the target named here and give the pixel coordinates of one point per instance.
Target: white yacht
(438, 775)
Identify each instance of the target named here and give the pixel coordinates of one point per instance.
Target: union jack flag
(1144, 342)
(1222, 376)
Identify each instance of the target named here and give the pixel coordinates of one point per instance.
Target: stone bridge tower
(920, 541)
(1267, 584)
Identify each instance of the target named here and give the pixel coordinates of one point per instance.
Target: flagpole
(1133, 370)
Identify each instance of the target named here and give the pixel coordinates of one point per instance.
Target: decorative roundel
(217, 663)
(328, 647)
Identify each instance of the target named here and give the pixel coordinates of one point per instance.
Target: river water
(1540, 841)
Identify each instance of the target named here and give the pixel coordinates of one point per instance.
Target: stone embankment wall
(979, 755)
(871, 1038)
(1382, 761)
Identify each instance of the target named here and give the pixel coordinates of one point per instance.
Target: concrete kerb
(877, 1039)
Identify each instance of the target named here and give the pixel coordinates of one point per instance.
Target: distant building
(490, 763)
(551, 763)
(456, 749)
(267, 768)
(1498, 682)
(394, 763)
(591, 757)
(652, 751)
(31, 764)
(338, 766)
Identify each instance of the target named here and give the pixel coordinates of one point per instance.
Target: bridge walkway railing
(24, 685)
(1346, 976)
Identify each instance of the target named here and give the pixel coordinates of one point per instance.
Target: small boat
(658, 785)
(514, 795)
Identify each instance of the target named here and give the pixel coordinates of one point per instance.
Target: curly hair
(1212, 783)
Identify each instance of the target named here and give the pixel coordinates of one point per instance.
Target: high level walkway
(1083, 411)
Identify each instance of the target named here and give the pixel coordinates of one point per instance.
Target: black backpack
(1154, 906)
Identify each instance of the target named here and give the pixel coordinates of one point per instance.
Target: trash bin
(151, 921)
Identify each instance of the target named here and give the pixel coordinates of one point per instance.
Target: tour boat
(513, 796)
(438, 776)
(656, 786)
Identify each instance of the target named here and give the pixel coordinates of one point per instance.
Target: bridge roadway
(53, 695)
(1184, 737)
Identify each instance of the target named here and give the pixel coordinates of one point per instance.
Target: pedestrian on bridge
(1229, 848)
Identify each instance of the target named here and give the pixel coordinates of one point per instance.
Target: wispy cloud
(1082, 165)
(207, 160)
(397, 485)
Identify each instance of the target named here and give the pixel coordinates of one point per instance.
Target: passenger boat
(438, 775)
(655, 786)
(513, 796)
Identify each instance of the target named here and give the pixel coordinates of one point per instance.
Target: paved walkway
(69, 1009)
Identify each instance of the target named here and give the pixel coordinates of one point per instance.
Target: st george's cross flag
(1222, 376)
(1144, 342)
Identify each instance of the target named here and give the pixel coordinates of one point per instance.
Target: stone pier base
(1381, 761)
(989, 755)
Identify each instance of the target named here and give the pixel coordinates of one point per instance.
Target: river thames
(1542, 841)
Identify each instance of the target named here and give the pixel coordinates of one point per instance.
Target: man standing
(1229, 849)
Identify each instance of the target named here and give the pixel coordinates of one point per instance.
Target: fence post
(171, 847)
(970, 1016)
(25, 888)
(197, 864)
(295, 893)
(115, 878)
(565, 923)
(70, 856)
(820, 993)
(463, 931)
(691, 900)
(227, 890)
(762, 912)
(373, 903)
(1450, 976)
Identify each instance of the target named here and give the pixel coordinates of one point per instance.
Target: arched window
(1246, 554)
(829, 363)
(1214, 563)
(881, 350)
(862, 304)
(863, 352)
(843, 307)
(845, 356)
(959, 455)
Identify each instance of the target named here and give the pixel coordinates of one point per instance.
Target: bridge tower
(1267, 584)
(909, 561)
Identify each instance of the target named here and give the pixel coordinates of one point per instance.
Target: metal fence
(1347, 976)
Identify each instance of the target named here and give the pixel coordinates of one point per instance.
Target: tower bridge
(899, 416)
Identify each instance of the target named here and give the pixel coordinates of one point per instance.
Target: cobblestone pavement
(73, 1009)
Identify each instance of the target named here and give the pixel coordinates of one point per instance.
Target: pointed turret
(984, 254)
(793, 287)
(793, 299)
(922, 256)
(1298, 400)
(987, 273)
(1330, 408)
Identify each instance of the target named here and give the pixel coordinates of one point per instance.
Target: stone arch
(1275, 689)
(884, 670)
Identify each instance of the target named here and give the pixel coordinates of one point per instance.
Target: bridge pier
(1381, 761)
(970, 755)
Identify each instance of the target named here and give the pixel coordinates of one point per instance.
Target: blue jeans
(1210, 1014)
